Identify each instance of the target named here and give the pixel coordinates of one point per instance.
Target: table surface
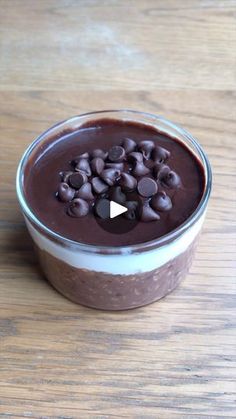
(174, 358)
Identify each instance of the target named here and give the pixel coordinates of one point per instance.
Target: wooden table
(172, 359)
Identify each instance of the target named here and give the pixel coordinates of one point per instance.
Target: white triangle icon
(116, 209)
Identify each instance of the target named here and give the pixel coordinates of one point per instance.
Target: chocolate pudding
(158, 178)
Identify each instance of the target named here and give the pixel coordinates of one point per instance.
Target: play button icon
(116, 209)
(117, 217)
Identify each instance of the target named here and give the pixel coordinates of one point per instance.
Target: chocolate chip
(150, 164)
(98, 152)
(127, 182)
(132, 212)
(65, 176)
(78, 208)
(102, 208)
(140, 169)
(147, 187)
(117, 195)
(161, 202)
(97, 165)
(172, 180)
(146, 148)
(119, 166)
(147, 214)
(83, 166)
(129, 145)
(135, 156)
(105, 194)
(110, 176)
(98, 185)
(116, 153)
(65, 193)
(77, 179)
(160, 170)
(78, 158)
(160, 154)
(85, 192)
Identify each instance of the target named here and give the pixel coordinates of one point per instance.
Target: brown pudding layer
(115, 292)
(168, 181)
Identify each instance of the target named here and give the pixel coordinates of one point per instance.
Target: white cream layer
(123, 264)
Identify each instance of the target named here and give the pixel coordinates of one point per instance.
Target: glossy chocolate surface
(42, 176)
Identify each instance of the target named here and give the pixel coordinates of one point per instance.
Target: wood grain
(172, 359)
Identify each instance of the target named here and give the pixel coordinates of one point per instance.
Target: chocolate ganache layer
(157, 178)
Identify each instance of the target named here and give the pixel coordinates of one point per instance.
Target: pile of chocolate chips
(119, 174)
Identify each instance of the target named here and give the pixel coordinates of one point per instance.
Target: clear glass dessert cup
(116, 278)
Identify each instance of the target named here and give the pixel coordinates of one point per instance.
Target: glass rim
(158, 242)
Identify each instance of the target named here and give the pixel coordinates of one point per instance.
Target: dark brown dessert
(156, 177)
(67, 183)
